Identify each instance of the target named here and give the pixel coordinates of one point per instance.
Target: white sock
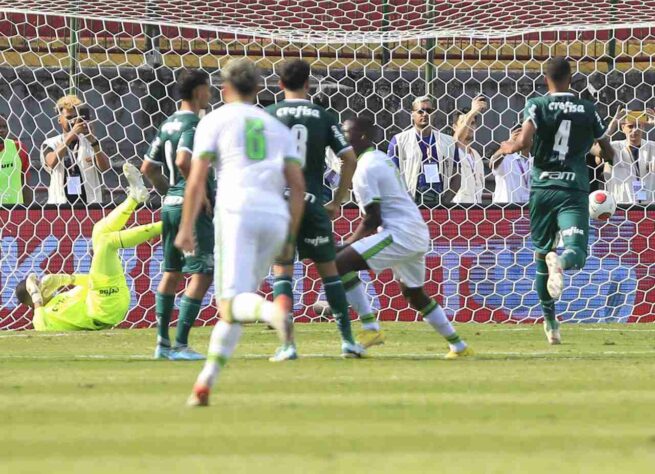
(438, 320)
(358, 299)
(222, 343)
(250, 307)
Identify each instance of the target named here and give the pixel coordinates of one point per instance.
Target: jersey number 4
(561, 145)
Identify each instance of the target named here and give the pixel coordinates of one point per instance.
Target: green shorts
(174, 260)
(315, 240)
(555, 210)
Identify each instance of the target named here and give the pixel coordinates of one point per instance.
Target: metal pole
(386, 55)
(430, 44)
(73, 54)
(611, 45)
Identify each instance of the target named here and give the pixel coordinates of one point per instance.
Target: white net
(368, 57)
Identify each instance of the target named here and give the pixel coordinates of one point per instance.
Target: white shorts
(246, 245)
(381, 252)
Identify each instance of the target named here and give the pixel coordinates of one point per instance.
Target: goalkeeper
(100, 299)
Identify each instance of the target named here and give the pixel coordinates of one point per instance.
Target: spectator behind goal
(631, 177)
(425, 157)
(14, 166)
(468, 162)
(512, 174)
(73, 158)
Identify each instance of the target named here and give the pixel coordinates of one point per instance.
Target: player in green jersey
(314, 130)
(561, 128)
(167, 165)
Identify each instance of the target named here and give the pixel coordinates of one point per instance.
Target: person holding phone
(73, 158)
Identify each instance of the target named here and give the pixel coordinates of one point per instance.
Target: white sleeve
(205, 142)
(291, 149)
(48, 144)
(366, 185)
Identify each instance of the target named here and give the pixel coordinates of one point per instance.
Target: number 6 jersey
(248, 147)
(566, 129)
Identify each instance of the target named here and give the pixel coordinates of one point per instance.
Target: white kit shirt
(512, 177)
(84, 157)
(377, 179)
(249, 148)
(472, 177)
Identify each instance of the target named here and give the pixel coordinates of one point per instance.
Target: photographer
(73, 158)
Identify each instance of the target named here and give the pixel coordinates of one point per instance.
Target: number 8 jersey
(566, 129)
(248, 147)
(314, 129)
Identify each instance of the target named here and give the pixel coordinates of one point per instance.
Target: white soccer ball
(601, 205)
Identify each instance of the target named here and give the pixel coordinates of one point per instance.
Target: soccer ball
(601, 205)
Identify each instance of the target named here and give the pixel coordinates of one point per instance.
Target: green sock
(189, 309)
(163, 308)
(547, 303)
(283, 286)
(336, 297)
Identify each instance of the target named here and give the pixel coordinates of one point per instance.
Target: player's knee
(577, 256)
(416, 296)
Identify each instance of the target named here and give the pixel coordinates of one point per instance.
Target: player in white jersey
(256, 159)
(392, 234)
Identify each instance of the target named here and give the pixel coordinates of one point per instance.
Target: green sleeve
(186, 140)
(531, 112)
(336, 139)
(598, 123)
(156, 151)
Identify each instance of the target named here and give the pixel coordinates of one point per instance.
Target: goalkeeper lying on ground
(100, 299)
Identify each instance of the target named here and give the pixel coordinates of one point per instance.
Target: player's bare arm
(521, 140)
(348, 165)
(152, 171)
(194, 196)
(183, 163)
(368, 225)
(296, 184)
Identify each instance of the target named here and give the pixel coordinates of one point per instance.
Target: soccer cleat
(280, 321)
(184, 353)
(136, 189)
(368, 338)
(162, 352)
(452, 354)
(552, 334)
(555, 283)
(283, 353)
(199, 397)
(352, 351)
(32, 287)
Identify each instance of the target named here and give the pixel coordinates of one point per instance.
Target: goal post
(370, 57)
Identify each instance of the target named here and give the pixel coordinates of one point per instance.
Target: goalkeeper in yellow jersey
(101, 298)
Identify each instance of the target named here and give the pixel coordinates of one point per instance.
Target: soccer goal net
(368, 57)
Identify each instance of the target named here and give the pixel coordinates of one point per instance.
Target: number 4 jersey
(566, 129)
(248, 147)
(313, 129)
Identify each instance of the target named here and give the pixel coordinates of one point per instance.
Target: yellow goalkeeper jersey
(88, 306)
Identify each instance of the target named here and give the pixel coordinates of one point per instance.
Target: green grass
(93, 402)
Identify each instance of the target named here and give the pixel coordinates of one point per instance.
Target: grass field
(94, 402)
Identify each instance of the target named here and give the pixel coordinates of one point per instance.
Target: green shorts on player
(202, 261)
(315, 240)
(100, 299)
(556, 213)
